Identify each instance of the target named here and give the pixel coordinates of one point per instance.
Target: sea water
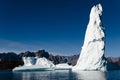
(60, 75)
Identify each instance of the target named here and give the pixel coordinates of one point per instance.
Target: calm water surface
(60, 75)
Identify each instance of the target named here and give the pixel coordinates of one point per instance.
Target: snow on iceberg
(92, 54)
(34, 63)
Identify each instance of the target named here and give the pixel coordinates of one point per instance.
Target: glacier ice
(63, 66)
(92, 54)
(29, 61)
(44, 62)
(34, 63)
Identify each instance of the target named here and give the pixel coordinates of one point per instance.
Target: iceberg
(40, 64)
(29, 61)
(63, 66)
(34, 63)
(92, 53)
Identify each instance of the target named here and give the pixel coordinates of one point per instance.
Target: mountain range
(10, 60)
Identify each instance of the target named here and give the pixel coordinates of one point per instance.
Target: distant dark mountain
(10, 60)
(40, 53)
(58, 59)
(73, 59)
(118, 62)
(113, 63)
(113, 59)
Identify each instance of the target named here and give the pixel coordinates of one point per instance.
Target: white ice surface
(33, 63)
(92, 54)
(63, 66)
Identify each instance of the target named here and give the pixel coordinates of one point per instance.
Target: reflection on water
(6, 75)
(60, 75)
(90, 75)
(45, 75)
(113, 75)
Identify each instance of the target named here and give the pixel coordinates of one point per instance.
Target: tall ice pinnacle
(92, 54)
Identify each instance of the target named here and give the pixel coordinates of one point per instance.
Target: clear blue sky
(57, 26)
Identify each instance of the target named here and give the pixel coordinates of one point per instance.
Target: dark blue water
(60, 75)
